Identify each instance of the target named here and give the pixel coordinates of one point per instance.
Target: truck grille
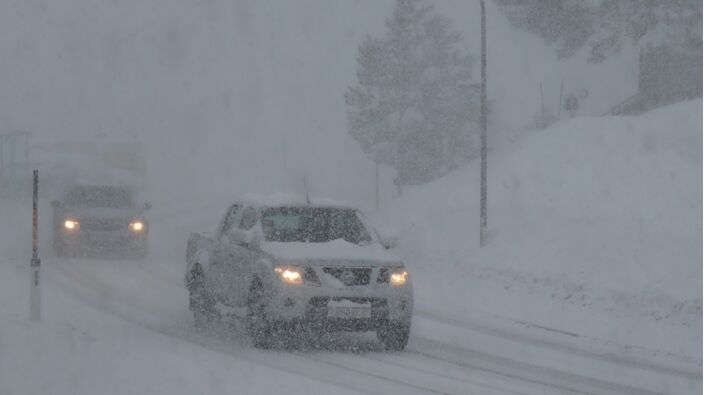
(103, 224)
(383, 276)
(350, 276)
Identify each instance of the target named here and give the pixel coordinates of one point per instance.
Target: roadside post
(35, 301)
(482, 209)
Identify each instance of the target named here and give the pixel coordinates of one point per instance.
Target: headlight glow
(289, 274)
(398, 277)
(71, 224)
(137, 226)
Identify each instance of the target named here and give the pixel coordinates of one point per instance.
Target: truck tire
(200, 302)
(259, 328)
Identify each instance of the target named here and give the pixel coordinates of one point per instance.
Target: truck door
(217, 271)
(242, 256)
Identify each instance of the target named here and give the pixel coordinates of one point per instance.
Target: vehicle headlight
(289, 274)
(136, 226)
(71, 224)
(398, 277)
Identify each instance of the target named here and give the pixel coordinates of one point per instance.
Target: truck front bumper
(103, 241)
(312, 305)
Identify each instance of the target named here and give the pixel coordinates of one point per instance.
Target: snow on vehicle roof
(285, 199)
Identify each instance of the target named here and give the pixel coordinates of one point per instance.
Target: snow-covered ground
(595, 230)
(591, 283)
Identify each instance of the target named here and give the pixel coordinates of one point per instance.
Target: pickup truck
(293, 269)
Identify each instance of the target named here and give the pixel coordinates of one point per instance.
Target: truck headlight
(137, 226)
(289, 274)
(398, 277)
(71, 224)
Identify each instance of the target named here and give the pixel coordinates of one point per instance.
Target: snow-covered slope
(595, 229)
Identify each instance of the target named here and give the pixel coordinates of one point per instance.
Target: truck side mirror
(234, 236)
(254, 240)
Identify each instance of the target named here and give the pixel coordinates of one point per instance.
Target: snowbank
(595, 229)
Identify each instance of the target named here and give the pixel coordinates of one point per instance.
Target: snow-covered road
(146, 297)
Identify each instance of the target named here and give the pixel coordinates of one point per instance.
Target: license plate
(348, 309)
(99, 238)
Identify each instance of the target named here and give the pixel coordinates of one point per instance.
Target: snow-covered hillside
(595, 230)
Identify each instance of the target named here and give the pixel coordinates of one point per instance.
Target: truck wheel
(258, 326)
(200, 301)
(394, 336)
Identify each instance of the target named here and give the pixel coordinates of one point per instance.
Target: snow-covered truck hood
(338, 251)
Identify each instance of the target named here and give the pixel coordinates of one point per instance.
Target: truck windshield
(94, 197)
(313, 225)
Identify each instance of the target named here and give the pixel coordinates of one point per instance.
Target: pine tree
(414, 107)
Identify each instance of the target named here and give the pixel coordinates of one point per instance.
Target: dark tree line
(605, 26)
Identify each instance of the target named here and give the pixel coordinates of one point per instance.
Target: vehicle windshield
(314, 225)
(94, 197)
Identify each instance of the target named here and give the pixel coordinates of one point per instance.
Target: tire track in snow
(622, 360)
(95, 291)
(450, 384)
(142, 312)
(561, 381)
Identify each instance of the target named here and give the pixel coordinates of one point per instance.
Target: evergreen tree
(414, 107)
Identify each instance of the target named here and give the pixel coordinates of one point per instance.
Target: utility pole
(35, 300)
(483, 224)
(542, 107)
(376, 189)
(559, 104)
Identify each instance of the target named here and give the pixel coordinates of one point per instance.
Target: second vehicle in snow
(99, 220)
